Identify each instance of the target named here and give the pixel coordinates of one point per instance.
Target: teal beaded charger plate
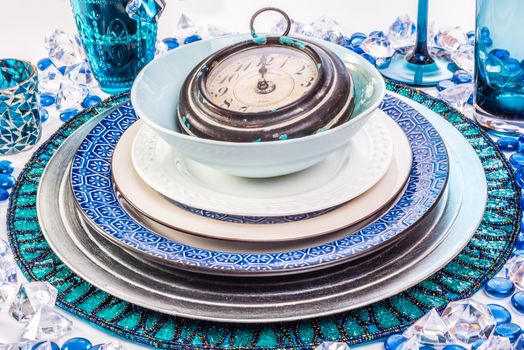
(482, 258)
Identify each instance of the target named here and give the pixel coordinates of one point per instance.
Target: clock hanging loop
(269, 9)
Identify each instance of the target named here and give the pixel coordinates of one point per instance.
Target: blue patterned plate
(93, 189)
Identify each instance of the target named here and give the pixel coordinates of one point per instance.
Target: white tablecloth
(23, 24)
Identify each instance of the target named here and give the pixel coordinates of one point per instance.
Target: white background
(23, 24)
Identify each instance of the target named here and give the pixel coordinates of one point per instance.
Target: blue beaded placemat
(482, 258)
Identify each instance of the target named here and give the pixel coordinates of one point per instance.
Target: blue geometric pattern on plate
(258, 220)
(92, 187)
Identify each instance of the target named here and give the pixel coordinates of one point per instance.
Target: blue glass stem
(420, 55)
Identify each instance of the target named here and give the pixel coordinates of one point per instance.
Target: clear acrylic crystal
(81, 74)
(8, 278)
(281, 25)
(114, 345)
(63, 49)
(330, 345)
(403, 32)
(213, 31)
(468, 321)
(429, 330)
(4, 248)
(49, 80)
(410, 344)
(496, 343)
(515, 271)
(457, 96)
(185, 27)
(464, 57)
(8, 347)
(47, 324)
(327, 28)
(377, 45)
(161, 48)
(30, 298)
(451, 38)
(148, 11)
(70, 95)
(25, 345)
(305, 29)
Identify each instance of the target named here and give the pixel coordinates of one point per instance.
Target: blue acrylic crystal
(453, 347)
(3, 194)
(512, 64)
(500, 313)
(517, 160)
(358, 35)
(484, 32)
(171, 43)
(6, 167)
(77, 344)
(471, 37)
(499, 287)
(521, 138)
(462, 77)
(44, 115)
(191, 39)
(54, 346)
(508, 144)
(91, 100)
(519, 244)
(471, 99)
(517, 300)
(44, 63)
(7, 181)
(508, 330)
(500, 53)
(394, 341)
(344, 41)
(68, 114)
(356, 49)
(148, 11)
(519, 177)
(445, 84)
(47, 99)
(487, 42)
(357, 39)
(369, 58)
(476, 345)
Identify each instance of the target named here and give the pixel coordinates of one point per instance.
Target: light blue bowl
(155, 96)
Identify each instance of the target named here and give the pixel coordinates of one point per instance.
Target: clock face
(261, 79)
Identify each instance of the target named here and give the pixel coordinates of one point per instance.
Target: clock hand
(263, 68)
(262, 83)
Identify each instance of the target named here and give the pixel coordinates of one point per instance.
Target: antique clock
(266, 89)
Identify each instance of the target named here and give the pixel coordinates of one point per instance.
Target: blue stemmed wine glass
(418, 67)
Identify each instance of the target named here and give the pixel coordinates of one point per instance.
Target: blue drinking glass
(499, 65)
(20, 123)
(419, 67)
(117, 47)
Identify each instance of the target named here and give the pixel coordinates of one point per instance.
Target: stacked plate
(141, 220)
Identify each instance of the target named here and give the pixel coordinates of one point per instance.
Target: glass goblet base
(402, 71)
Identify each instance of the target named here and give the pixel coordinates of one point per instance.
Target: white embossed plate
(343, 176)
